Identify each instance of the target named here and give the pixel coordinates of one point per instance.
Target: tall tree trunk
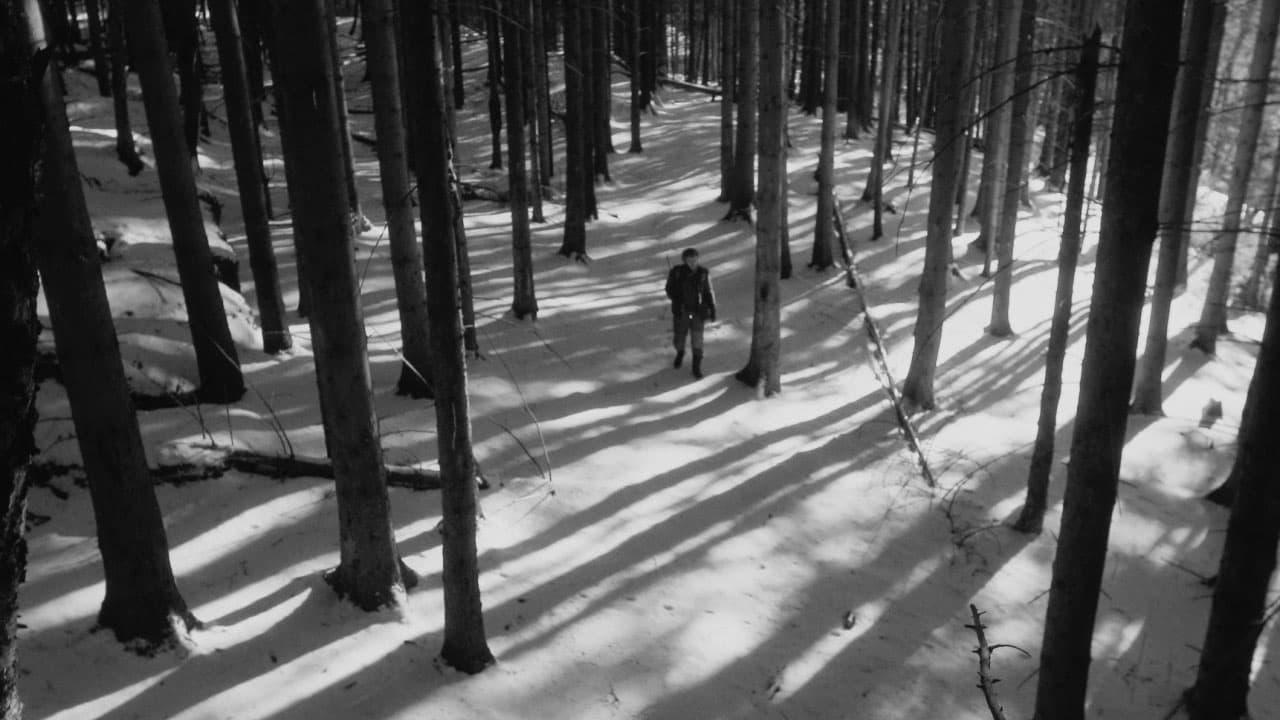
(824, 221)
(219, 367)
(1213, 317)
(952, 117)
(728, 93)
(1148, 393)
(181, 33)
(853, 121)
(97, 46)
(397, 198)
(524, 301)
(742, 185)
(142, 601)
(633, 27)
(586, 58)
(22, 67)
(533, 116)
(368, 573)
(1015, 165)
(1129, 218)
(602, 76)
(444, 31)
(547, 161)
(577, 178)
(455, 44)
(1031, 518)
(465, 647)
(1250, 294)
(357, 219)
(996, 137)
(1210, 69)
(248, 162)
(1239, 614)
(494, 75)
(762, 370)
(884, 127)
(126, 149)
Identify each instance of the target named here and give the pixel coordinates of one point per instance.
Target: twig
(985, 681)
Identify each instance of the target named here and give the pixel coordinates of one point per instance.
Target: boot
(697, 364)
(679, 359)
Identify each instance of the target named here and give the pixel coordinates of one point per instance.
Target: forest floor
(652, 546)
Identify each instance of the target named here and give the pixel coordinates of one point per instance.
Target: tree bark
(742, 185)
(602, 77)
(368, 572)
(1238, 614)
(824, 221)
(397, 198)
(97, 47)
(357, 219)
(1031, 518)
(465, 647)
(884, 126)
(633, 26)
(546, 166)
(996, 137)
(952, 117)
(1129, 219)
(762, 371)
(455, 44)
(142, 601)
(248, 165)
(494, 81)
(1210, 70)
(524, 301)
(219, 366)
(1148, 393)
(577, 176)
(728, 91)
(1213, 317)
(1251, 290)
(126, 149)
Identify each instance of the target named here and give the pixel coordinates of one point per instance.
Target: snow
(653, 546)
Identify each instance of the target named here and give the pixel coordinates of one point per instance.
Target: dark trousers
(688, 324)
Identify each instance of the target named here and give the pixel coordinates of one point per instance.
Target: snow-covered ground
(652, 546)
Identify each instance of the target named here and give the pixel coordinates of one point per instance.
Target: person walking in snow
(692, 306)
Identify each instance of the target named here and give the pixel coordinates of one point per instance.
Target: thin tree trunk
(1129, 219)
(219, 367)
(577, 178)
(547, 163)
(494, 82)
(728, 92)
(142, 601)
(465, 647)
(97, 46)
(1250, 294)
(762, 370)
(358, 221)
(1015, 165)
(884, 127)
(248, 165)
(1031, 518)
(1205, 106)
(1148, 393)
(952, 117)
(368, 572)
(445, 33)
(397, 200)
(1213, 317)
(602, 75)
(824, 221)
(742, 186)
(126, 149)
(533, 116)
(524, 301)
(455, 45)
(996, 138)
(633, 27)
(853, 122)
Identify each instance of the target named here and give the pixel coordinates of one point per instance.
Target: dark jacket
(690, 292)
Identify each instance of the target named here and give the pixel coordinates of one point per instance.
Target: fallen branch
(714, 92)
(985, 681)
(880, 364)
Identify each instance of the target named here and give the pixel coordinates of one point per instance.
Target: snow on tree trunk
(397, 202)
(524, 302)
(762, 370)
(368, 573)
(948, 148)
(248, 166)
(1031, 518)
(1239, 612)
(824, 222)
(142, 600)
(1144, 96)
(465, 646)
(1213, 316)
(219, 367)
(742, 182)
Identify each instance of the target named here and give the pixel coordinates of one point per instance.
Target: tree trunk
(824, 222)
(1015, 163)
(101, 68)
(574, 245)
(535, 101)
(1129, 218)
(397, 200)
(444, 25)
(1148, 393)
(996, 138)
(248, 165)
(126, 149)
(633, 26)
(494, 82)
(1239, 611)
(728, 92)
(602, 89)
(762, 371)
(1205, 106)
(1251, 290)
(853, 121)
(142, 601)
(23, 68)
(952, 117)
(181, 34)
(1213, 317)
(368, 573)
(357, 219)
(465, 647)
(219, 367)
(884, 127)
(742, 185)
(547, 164)
(1031, 518)
(455, 44)
(524, 302)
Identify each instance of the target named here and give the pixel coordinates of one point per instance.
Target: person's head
(690, 258)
